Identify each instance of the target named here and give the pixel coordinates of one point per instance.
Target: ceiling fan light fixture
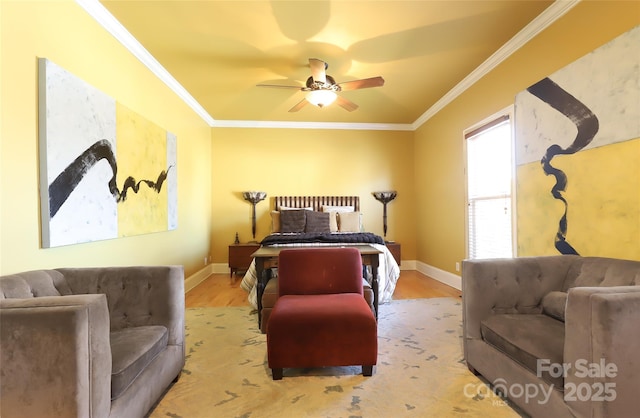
(321, 98)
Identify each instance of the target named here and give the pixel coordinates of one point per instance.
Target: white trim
(312, 125)
(537, 25)
(407, 265)
(221, 268)
(442, 276)
(197, 278)
(508, 111)
(115, 28)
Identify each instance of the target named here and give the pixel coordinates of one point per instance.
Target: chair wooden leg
(277, 374)
(367, 370)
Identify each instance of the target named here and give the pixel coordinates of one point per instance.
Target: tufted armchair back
(602, 272)
(136, 296)
(33, 284)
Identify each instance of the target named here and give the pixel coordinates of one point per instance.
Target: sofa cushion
(527, 338)
(132, 349)
(554, 304)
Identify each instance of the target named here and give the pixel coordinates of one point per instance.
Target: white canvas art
(608, 85)
(172, 180)
(590, 104)
(78, 137)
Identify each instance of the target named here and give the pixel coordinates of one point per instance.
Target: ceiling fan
(322, 89)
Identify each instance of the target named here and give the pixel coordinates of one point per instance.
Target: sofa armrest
(601, 350)
(55, 357)
(510, 285)
(136, 296)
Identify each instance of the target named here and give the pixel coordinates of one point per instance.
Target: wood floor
(220, 290)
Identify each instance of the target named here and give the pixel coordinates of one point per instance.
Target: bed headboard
(317, 202)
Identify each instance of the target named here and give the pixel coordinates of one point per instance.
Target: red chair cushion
(321, 330)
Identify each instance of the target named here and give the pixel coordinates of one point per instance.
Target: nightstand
(240, 256)
(395, 250)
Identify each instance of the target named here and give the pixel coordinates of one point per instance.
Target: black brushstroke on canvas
(587, 123)
(61, 188)
(130, 183)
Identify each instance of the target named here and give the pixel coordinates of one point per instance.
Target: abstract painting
(577, 153)
(105, 171)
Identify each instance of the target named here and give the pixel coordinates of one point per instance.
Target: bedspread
(388, 272)
(326, 237)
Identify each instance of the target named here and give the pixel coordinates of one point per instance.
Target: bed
(301, 221)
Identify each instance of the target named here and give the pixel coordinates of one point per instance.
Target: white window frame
(487, 122)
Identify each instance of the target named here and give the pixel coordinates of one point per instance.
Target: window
(489, 189)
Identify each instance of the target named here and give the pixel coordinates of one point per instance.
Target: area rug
(420, 371)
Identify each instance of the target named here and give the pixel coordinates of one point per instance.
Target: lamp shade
(385, 197)
(321, 98)
(254, 197)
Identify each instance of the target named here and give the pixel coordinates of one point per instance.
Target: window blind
(489, 200)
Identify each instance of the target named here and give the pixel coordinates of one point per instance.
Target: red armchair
(321, 317)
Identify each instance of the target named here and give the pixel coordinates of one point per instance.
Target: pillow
(327, 208)
(292, 220)
(334, 210)
(318, 222)
(554, 303)
(275, 221)
(350, 221)
(333, 221)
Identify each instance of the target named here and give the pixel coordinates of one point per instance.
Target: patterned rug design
(420, 371)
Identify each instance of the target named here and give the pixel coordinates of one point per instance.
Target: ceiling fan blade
(318, 70)
(279, 86)
(362, 84)
(346, 104)
(299, 105)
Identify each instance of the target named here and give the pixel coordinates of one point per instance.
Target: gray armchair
(525, 317)
(90, 342)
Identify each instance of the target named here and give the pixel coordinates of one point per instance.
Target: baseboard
(445, 277)
(197, 278)
(220, 268)
(408, 265)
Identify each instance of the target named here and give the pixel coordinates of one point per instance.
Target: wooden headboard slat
(316, 202)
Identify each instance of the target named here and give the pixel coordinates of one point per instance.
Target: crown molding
(312, 125)
(96, 10)
(558, 9)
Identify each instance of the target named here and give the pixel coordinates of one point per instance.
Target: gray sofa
(525, 317)
(90, 342)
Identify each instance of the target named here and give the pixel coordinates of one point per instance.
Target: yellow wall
(603, 194)
(216, 165)
(64, 33)
(310, 162)
(439, 143)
